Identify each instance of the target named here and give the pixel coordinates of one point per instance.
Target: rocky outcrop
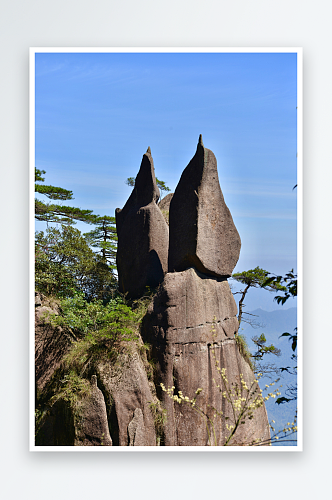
(165, 202)
(51, 342)
(164, 205)
(129, 394)
(75, 412)
(191, 326)
(136, 429)
(142, 251)
(112, 410)
(202, 232)
(95, 431)
(79, 420)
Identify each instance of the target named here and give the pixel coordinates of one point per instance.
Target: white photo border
(299, 51)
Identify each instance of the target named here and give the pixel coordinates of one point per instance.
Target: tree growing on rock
(254, 278)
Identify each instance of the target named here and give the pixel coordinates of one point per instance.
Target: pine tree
(105, 238)
(50, 212)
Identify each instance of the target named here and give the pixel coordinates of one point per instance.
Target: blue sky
(96, 114)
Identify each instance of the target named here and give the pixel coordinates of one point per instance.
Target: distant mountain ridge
(274, 322)
(273, 325)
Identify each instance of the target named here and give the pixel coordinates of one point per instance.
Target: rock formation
(77, 421)
(202, 232)
(95, 431)
(51, 342)
(191, 324)
(142, 235)
(164, 206)
(165, 202)
(86, 414)
(193, 318)
(129, 393)
(136, 429)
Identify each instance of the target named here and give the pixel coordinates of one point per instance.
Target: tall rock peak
(146, 189)
(202, 231)
(142, 235)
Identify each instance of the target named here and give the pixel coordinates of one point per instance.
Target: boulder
(142, 251)
(191, 326)
(201, 229)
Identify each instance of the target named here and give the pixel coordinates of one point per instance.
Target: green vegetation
(103, 331)
(104, 238)
(254, 278)
(259, 278)
(99, 325)
(65, 265)
(53, 213)
(244, 349)
(78, 271)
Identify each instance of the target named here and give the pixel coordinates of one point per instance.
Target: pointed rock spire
(142, 235)
(202, 231)
(145, 190)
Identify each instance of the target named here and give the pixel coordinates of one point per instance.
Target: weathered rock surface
(95, 431)
(117, 412)
(136, 429)
(193, 318)
(129, 396)
(81, 424)
(51, 342)
(202, 231)
(57, 427)
(165, 202)
(164, 206)
(142, 251)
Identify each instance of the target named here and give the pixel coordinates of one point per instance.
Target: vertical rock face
(82, 424)
(51, 342)
(191, 325)
(202, 231)
(95, 430)
(136, 429)
(142, 235)
(164, 206)
(128, 390)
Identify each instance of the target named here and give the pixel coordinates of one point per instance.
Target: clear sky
(97, 113)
